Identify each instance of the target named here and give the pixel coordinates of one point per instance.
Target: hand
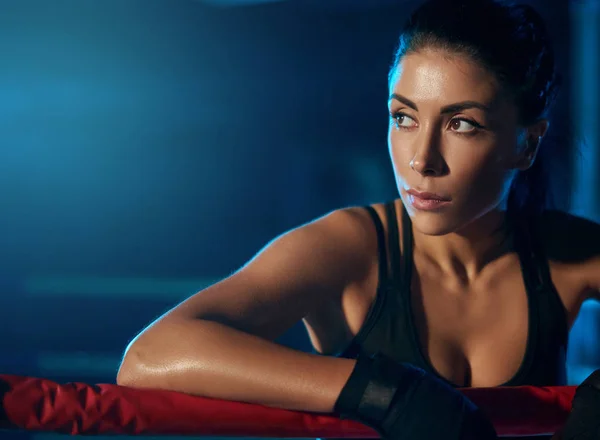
(403, 402)
(583, 422)
(435, 410)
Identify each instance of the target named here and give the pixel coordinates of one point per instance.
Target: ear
(533, 136)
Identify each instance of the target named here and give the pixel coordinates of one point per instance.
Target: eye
(463, 125)
(403, 121)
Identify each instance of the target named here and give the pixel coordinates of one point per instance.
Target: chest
(478, 336)
(472, 338)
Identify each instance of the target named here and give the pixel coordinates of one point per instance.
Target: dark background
(150, 147)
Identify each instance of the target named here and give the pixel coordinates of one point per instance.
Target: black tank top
(389, 327)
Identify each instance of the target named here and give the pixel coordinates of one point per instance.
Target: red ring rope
(77, 408)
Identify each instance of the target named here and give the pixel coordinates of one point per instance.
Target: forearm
(212, 360)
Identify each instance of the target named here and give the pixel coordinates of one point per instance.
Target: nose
(428, 160)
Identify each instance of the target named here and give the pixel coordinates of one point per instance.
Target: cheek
(477, 169)
(401, 152)
(480, 174)
(475, 164)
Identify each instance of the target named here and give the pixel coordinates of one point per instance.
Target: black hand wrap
(403, 402)
(584, 421)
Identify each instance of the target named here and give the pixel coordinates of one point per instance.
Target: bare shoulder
(331, 328)
(573, 241)
(346, 233)
(360, 230)
(348, 236)
(300, 273)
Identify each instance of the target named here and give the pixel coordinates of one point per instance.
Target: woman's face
(453, 133)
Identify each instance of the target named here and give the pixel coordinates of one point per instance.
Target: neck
(463, 254)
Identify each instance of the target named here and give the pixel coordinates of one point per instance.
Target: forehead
(439, 78)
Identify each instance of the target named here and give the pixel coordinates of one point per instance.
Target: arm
(575, 241)
(218, 343)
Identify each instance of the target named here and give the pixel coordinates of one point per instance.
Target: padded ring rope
(36, 404)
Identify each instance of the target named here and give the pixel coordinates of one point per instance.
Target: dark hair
(511, 42)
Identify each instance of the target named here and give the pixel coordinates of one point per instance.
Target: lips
(426, 201)
(428, 196)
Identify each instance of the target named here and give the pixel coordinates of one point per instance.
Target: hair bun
(540, 83)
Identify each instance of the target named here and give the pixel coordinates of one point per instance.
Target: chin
(442, 221)
(452, 219)
(432, 223)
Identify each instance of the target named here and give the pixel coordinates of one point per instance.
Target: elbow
(128, 374)
(151, 359)
(144, 364)
(124, 378)
(134, 371)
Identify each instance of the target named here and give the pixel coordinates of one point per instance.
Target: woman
(465, 281)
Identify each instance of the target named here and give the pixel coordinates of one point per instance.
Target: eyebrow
(451, 108)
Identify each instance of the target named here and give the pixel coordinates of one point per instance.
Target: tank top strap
(538, 270)
(393, 242)
(407, 243)
(381, 246)
(539, 259)
(534, 266)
